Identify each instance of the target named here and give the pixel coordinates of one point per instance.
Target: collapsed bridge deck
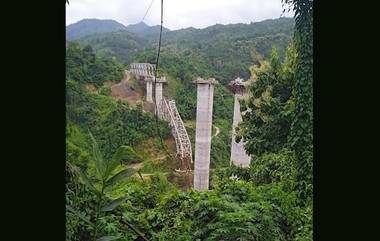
(166, 110)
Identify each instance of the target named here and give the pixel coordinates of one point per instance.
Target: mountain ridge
(143, 28)
(90, 26)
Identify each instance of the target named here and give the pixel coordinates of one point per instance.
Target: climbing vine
(302, 125)
(266, 126)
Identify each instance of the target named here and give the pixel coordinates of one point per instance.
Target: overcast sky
(177, 13)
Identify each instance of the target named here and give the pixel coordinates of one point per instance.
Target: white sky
(177, 13)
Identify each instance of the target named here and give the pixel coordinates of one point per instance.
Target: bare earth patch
(125, 91)
(136, 165)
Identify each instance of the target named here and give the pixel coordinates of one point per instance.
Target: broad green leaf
(113, 204)
(108, 238)
(79, 215)
(120, 154)
(121, 175)
(98, 157)
(127, 154)
(84, 177)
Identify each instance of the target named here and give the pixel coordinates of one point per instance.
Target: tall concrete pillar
(158, 88)
(205, 94)
(149, 96)
(158, 93)
(239, 157)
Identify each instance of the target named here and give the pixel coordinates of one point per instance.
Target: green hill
(124, 45)
(90, 26)
(144, 29)
(220, 51)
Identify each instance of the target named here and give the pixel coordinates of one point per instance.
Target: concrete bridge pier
(239, 157)
(205, 94)
(158, 92)
(158, 88)
(149, 89)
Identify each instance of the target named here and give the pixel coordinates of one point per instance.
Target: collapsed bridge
(166, 110)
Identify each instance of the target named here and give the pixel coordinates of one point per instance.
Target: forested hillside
(90, 108)
(121, 45)
(227, 51)
(86, 27)
(221, 51)
(144, 29)
(121, 182)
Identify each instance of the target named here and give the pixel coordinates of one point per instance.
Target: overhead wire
(155, 80)
(150, 5)
(155, 84)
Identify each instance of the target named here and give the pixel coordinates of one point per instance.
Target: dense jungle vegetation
(107, 199)
(221, 51)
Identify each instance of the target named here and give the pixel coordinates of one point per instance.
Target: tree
(84, 66)
(98, 185)
(266, 126)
